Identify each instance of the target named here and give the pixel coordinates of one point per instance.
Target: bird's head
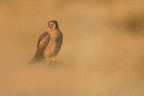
(52, 24)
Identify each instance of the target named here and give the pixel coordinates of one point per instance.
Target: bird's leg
(53, 59)
(47, 59)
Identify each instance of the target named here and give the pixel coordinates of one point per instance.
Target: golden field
(102, 52)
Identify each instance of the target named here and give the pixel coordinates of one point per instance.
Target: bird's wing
(60, 39)
(43, 41)
(59, 42)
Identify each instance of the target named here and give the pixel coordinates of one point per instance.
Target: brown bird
(49, 43)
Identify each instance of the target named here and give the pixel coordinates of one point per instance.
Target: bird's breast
(51, 47)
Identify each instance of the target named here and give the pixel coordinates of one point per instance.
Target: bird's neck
(52, 30)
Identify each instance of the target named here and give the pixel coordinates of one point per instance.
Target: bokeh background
(102, 52)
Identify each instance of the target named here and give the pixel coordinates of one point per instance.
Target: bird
(49, 44)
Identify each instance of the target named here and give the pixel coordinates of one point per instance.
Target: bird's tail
(38, 57)
(34, 60)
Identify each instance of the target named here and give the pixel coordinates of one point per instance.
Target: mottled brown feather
(58, 42)
(49, 43)
(43, 41)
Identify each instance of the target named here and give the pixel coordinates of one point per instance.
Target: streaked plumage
(49, 43)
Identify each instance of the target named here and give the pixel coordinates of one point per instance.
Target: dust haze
(102, 52)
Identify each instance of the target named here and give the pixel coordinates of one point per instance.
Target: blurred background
(102, 52)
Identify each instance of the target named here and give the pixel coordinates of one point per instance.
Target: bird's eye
(51, 24)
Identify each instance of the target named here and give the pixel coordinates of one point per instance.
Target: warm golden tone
(102, 53)
(49, 43)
